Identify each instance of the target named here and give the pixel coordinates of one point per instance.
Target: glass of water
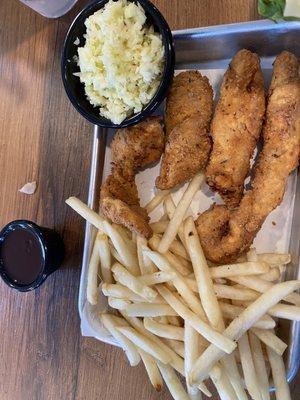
(50, 8)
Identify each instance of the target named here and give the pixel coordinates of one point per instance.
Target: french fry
(127, 279)
(159, 226)
(170, 209)
(251, 379)
(222, 384)
(176, 321)
(262, 286)
(231, 311)
(128, 236)
(271, 276)
(200, 326)
(240, 325)
(252, 255)
(128, 257)
(115, 254)
(191, 352)
(118, 304)
(275, 259)
(130, 350)
(145, 344)
(260, 366)
(270, 339)
(176, 345)
(173, 383)
(149, 310)
(146, 267)
(162, 320)
(203, 279)
(119, 320)
(180, 264)
(210, 303)
(176, 361)
(152, 370)
(120, 292)
(164, 330)
(157, 277)
(229, 364)
(239, 269)
(234, 293)
(86, 212)
(92, 277)
(105, 257)
(179, 213)
(177, 248)
(138, 325)
(192, 301)
(282, 390)
(178, 364)
(140, 242)
(156, 200)
(204, 287)
(285, 311)
(220, 281)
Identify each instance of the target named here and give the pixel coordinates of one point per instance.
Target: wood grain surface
(42, 138)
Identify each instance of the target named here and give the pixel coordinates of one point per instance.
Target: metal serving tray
(211, 48)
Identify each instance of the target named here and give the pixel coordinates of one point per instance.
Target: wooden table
(42, 353)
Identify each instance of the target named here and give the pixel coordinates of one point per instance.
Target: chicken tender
(120, 203)
(188, 115)
(236, 126)
(132, 148)
(186, 153)
(190, 94)
(233, 232)
(138, 146)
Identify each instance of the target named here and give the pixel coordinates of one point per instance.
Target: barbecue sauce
(22, 256)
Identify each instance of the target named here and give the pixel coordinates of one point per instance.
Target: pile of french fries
(183, 316)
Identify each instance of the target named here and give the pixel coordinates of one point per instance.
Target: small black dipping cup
(28, 254)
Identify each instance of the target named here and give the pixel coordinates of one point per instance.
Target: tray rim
(229, 28)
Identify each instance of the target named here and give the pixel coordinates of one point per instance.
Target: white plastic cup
(50, 8)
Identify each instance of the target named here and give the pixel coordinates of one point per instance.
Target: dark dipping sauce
(22, 256)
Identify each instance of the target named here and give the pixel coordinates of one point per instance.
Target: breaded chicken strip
(132, 148)
(138, 146)
(120, 203)
(188, 114)
(236, 126)
(190, 94)
(224, 234)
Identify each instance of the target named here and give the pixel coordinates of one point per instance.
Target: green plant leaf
(272, 9)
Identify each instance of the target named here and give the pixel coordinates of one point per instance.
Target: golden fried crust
(278, 158)
(280, 153)
(119, 201)
(188, 114)
(186, 153)
(132, 148)
(236, 126)
(190, 94)
(137, 146)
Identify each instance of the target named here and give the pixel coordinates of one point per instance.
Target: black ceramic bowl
(75, 89)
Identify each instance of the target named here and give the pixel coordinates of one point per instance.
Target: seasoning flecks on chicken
(226, 235)
(236, 126)
(188, 115)
(132, 148)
